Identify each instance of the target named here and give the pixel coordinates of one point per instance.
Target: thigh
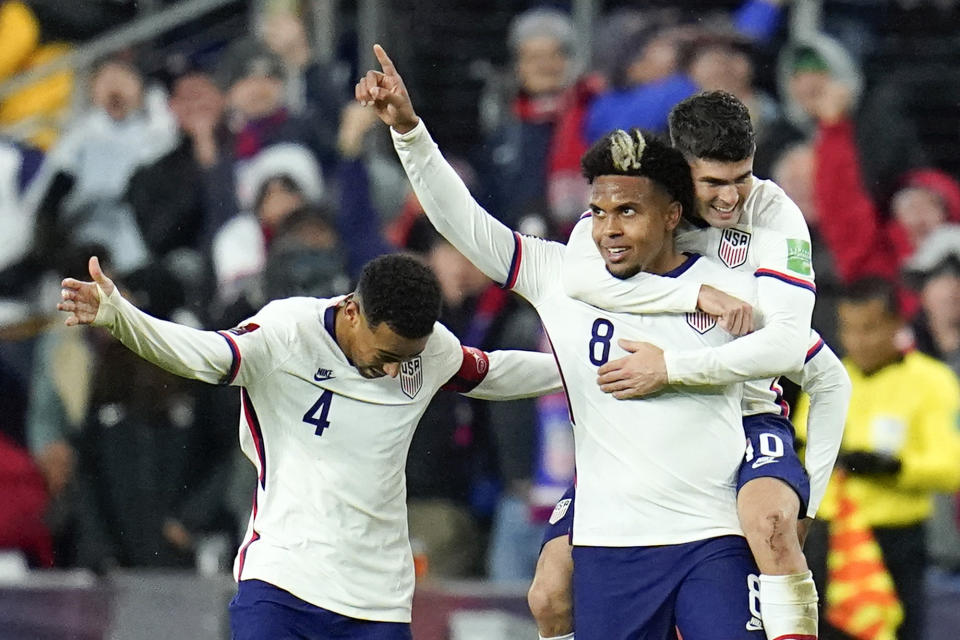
(771, 454)
(622, 594)
(719, 596)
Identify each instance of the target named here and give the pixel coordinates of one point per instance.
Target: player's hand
(734, 315)
(386, 93)
(641, 373)
(81, 299)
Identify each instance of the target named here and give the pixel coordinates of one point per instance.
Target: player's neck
(668, 260)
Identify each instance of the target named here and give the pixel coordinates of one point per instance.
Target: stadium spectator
(315, 88)
(85, 176)
(900, 445)
(533, 154)
(271, 185)
(253, 80)
(22, 526)
(923, 199)
(819, 82)
(934, 271)
(175, 199)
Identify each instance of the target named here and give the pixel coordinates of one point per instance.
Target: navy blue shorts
(261, 610)
(561, 520)
(771, 454)
(707, 589)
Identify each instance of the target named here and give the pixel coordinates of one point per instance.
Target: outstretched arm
(184, 351)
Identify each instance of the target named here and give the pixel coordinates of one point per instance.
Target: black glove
(868, 463)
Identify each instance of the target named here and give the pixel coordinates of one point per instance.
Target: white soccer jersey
(779, 257)
(661, 470)
(329, 514)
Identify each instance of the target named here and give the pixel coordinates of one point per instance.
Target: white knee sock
(569, 636)
(788, 606)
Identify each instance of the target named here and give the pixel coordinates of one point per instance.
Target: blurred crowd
(219, 182)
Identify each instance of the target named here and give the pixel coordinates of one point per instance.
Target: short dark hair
(658, 161)
(402, 291)
(714, 125)
(873, 288)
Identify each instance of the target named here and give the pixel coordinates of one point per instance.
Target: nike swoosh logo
(754, 625)
(320, 376)
(762, 461)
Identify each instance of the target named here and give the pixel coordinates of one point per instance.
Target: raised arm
(487, 243)
(827, 384)
(184, 351)
(586, 278)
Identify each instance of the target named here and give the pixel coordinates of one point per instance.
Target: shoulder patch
(799, 256)
(734, 247)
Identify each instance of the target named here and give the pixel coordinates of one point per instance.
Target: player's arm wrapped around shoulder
(785, 297)
(517, 374)
(824, 379)
(586, 278)
(485, 241)
(181, 350)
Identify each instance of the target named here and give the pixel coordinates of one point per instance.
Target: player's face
(378, 351)
(633, 223)
(720, 188)
(868, 333)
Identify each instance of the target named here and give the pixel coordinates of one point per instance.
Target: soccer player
(755, 229)
(656, 497)
(331, 391)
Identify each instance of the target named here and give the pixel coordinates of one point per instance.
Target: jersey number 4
(317, 414)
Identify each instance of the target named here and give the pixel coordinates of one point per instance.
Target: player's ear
(351, 309)
(673, 215)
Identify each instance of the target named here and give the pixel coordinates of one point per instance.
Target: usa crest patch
(734, 246)
(701, 322)
(411, 376)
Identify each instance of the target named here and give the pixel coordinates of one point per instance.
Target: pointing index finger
(385, 62)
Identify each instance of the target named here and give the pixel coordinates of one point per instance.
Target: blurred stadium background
(208, 151)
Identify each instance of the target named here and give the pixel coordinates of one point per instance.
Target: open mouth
(616, 254)
(723, 211)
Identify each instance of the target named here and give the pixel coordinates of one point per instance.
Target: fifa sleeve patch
(799, 256)
(473, 369)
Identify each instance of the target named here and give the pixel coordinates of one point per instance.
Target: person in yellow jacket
(901, 443)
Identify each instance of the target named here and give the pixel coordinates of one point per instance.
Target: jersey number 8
(602, 334)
